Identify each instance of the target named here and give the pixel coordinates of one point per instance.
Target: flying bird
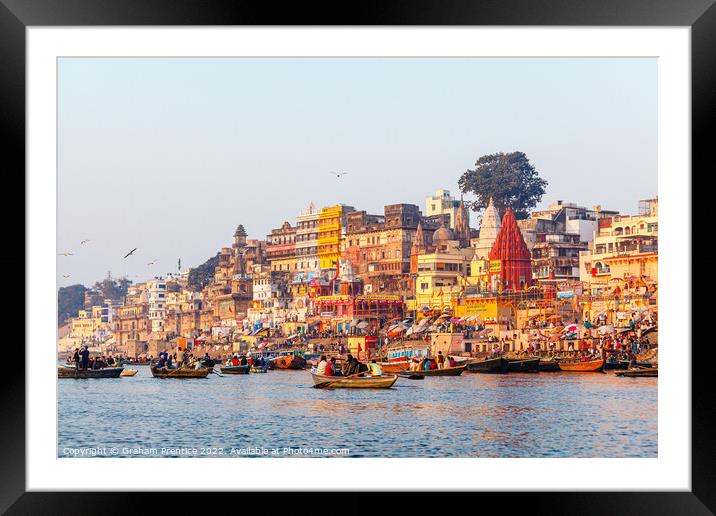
(65, 275)
(130, 253)
(85, 241)
(339, 174)
(153, 262)
(65, 254)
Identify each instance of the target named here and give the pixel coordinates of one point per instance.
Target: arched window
(618, 231)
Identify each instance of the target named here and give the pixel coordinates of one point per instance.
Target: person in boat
(451, 362)
(243, 360)
(322, 365)
(330, 367)
(440, 360)
(76, 358)
(433, 364)
(84, 357)
(374, 368)
(170, 361)
(110, 361)
(180, 357)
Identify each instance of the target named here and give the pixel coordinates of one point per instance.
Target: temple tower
(510, 248)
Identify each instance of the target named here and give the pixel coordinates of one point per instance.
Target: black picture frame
(16, 15)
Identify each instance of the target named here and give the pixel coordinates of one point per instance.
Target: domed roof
(443, 234)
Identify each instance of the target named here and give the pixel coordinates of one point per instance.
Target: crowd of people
(426, 363)
(82, 360)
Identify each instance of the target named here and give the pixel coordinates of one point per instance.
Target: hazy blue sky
(169, 155)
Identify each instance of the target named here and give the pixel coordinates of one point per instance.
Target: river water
(281, 414)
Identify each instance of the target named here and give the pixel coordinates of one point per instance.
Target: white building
(489, 227)
(307, 261)
(157, 293)
(440, 203)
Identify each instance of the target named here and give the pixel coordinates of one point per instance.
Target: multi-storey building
(281, 248)
(131, 324)
(157, 291)
(331, 224)
(442, 203)
(378, 247)
(307, 262)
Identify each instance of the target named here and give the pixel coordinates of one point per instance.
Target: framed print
(415, 250)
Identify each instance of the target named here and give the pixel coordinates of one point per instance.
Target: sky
(169, 155)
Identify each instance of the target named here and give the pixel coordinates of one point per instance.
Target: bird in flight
(85, 241)
(153, 261)
(130, 253)
(65, 254)
(339, 174)
(65, 275)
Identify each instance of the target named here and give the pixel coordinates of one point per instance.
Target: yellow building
(330, 235)
(438, 283)
(87, 323)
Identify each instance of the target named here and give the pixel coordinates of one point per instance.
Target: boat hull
(578, 366)
(163, 372)
(448, 371)
(287, 362)
(651, 372)
(358, 382)
(394, 367)
(548, 366)
(128, 372)
(71, 372)
(489, 366)
(523, 366)
(240, 369)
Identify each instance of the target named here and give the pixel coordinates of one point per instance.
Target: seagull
(65, 275)
(153, 262)
(130, 253)
(65, 254)
(339, 174)
(85, 241)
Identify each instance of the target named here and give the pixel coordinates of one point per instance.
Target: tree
(201, 276)
(110, 288)
(70, 300)
(509, 179)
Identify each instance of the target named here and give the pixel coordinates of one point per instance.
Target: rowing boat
(395, 367)
(383, 381)
(649, 372)
(73, 372)
(238, 369)
(530, 365)
(582, 366)
(184, 372)
(447, 371)
(128, 372)
(491, 365)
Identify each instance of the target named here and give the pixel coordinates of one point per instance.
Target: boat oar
(339, 378)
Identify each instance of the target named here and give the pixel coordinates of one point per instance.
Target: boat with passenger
(64, 371)
(384, 381)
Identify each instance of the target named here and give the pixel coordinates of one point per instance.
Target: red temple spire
(511, 249)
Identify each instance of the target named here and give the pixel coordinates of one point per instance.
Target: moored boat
(613, 363)
(183, 372)
(491, 365)
(447, 371)
(548, 365)
(238, 369)
(582, 366)
(259, 369)
(287, 361)
(384, 381)
(647, 372)
(394, 367)
(73, 372)
(530, 365)
(128, 372)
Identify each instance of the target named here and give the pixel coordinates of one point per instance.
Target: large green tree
(509, 179)
(70, 300)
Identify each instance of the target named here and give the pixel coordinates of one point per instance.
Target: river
(281, 414)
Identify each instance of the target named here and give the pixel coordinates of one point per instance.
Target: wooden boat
(613, 363)
(239, 369)
(128, 372)
(448, 371)
(394, 367)
(384, 381)
(646, 372)
(73, 372)
(548, 365)
(581, 366)
(530, 365)
(259, 369)
(288, 361)
(490, 365)
(412, 376)
(184, 372)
